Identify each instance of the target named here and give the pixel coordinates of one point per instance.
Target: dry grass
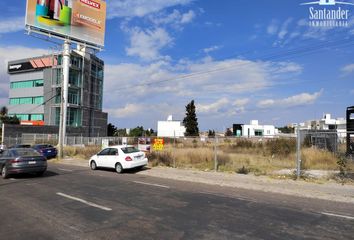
(81, 152)
(316, 159)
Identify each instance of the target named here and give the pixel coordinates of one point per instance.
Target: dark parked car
(46, 150)
(20, 146)
(22, 160)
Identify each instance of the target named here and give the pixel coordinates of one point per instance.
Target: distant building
(325, 124)
(170, 128)
(254, 130)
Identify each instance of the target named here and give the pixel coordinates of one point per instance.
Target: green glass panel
(26, 100)
(37, 117)
(38, 100)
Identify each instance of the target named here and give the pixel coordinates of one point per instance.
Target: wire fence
(294, 154)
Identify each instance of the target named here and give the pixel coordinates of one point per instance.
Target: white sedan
(119, 158)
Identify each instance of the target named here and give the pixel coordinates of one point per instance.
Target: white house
(327, 123)
(170, 128)
(254, 129)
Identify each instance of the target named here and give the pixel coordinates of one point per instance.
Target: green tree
(4, 118)
(211, 133)
(111, 130)
(137, 132)
(3, 111)
(228, 133)
(191, 120)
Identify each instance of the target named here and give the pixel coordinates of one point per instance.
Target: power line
(289, 54)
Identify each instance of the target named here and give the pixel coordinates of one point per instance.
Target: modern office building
(35, 92)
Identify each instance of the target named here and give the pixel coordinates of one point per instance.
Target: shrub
(281, 147)
(243, 170)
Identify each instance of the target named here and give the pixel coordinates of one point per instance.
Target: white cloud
(241, 102)
(272, 27)
(211, 49)
(128, 110)
(296, 100)
(176, 19)
(188, 17)
(12, 25)
(147, 44)
(215, 107)
(348, 69)
(140, 8)
(284, 28)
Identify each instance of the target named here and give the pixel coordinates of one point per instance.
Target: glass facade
(27, 100)
(74, 118)
(29, 117)
(27, 84)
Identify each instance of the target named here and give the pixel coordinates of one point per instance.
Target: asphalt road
(76, 203)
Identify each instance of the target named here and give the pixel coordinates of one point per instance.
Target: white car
(119, 158)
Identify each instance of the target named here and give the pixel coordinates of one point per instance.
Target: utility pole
(298, 153)
(64, 96)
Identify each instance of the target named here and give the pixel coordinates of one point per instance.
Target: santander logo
(91, 3)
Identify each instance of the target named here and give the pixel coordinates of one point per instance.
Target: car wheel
(119, 168)
(93, 165)
(4, 172)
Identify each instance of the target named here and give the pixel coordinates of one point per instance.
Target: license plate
(32, 162)
(49, 150)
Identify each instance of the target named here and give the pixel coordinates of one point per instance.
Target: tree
(211, 133)
(4, 118)
(287, 129)
(111, 130)
(228, 133)
(3, 111)
(191, 120)
(137, 132)
(10, 120)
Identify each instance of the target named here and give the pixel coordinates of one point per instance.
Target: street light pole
(64, 97)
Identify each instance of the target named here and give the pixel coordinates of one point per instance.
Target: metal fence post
(298, 154)
(215, 154)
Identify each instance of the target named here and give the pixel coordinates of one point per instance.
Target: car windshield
(129, 150)
(20, 152)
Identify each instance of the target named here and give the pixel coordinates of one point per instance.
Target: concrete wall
(170, 129)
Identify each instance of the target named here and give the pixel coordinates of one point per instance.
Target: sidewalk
(328, 191)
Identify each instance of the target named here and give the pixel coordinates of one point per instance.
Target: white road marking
(152, 184)
(338, 215)
(84, 201)
(65, 170)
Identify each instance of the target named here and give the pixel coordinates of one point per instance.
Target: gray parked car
(22, 160)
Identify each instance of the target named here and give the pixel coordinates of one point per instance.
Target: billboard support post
(64, 97)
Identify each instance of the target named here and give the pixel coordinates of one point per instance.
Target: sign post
(74, 21)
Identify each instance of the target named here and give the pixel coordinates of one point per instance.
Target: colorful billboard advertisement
(79, 20)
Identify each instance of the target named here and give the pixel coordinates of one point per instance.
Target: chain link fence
(295, 155)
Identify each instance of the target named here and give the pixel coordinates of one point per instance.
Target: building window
(74, 96)
(75, 78)
(27, 84)
(27, 100)
(38, 100)
(37, 117)
(22, 117)
(258, 132)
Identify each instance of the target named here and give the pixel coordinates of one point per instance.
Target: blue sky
(238, 59)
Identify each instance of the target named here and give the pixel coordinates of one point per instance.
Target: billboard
(79, 20)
